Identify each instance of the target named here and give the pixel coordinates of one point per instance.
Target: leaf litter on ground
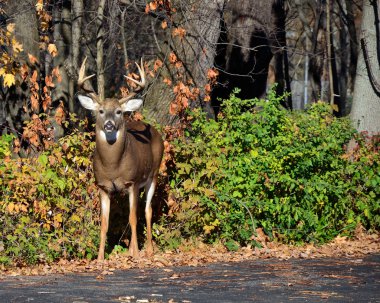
(360, 245)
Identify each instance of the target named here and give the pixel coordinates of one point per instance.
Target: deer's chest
(118, 177)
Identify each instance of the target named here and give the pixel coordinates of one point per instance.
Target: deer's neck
(111, 152)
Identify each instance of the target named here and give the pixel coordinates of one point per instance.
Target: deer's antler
(140, 84)
(81, 83)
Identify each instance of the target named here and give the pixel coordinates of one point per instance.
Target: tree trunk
(251, 44)
(77, 12)
(196, 50)
(365, 113)
(100, 50)
(63, 40)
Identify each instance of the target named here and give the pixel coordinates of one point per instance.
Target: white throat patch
(103, 135)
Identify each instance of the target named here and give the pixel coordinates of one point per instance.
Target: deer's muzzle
(109, 126)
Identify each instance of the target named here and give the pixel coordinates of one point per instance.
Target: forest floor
(201, 254)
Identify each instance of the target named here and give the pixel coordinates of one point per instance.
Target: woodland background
(196, 51)
(284, 166)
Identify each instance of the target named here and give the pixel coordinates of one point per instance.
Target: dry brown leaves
(202, 254)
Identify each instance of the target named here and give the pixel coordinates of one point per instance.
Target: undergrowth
(48, 206)
(286, 172)
(256, 166)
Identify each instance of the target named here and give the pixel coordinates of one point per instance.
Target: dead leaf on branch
(180, 32)
(52, 48)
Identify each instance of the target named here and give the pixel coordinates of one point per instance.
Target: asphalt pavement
(270, 280)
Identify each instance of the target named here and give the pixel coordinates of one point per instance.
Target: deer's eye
(101, 111)
(118, 112)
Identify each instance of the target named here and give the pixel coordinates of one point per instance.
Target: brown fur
(127, 163)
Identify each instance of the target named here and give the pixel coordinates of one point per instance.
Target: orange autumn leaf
(173, 108)
(138, 116)
(32, 59)
(212, 73)
(185, 102)
(157, 64)
(34, 102)
(55, 73)
(46, 103)
(172, 58)
(164, 24)
(153, 6)
(167, 81)
(52, 48)
(11, 207)
(49, 81)
(34, 76)
(24, 71)
(39, 6)
(178, 64)
(180, 32)
(60, 114)
(34, 140)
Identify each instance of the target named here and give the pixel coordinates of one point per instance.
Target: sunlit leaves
(255, 168)
(179, 32)
(9, 56)
(11, 28)
(39, 5)
(157, 65)
(52, 48)
(164, 24)
(32, 59)
(48, 201)
(17, 47)
(9, 80)
(160, 5)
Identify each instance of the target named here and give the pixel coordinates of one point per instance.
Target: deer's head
(110, 111)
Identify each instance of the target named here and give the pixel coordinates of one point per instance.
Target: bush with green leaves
(259, 165)
(49, 206)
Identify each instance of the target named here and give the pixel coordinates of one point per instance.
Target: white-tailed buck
(127, 156)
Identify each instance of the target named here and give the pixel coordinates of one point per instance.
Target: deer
(127, 156)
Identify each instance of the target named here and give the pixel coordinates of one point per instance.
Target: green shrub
(49, 205)
(267, 167)
(363, 175)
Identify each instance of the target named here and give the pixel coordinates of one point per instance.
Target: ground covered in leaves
(201, 254)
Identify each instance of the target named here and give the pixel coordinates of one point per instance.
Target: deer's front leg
(105, 213)
(149, 190)
(133, 204)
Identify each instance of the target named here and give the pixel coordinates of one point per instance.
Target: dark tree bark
(63, 40)
(251, 36)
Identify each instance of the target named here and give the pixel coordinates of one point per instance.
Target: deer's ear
(87, 102)
(132, 105)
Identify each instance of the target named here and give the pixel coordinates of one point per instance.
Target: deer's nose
(109, 126)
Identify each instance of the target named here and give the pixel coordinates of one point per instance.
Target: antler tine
(141, 83)
(82, 79)
(142, 75)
